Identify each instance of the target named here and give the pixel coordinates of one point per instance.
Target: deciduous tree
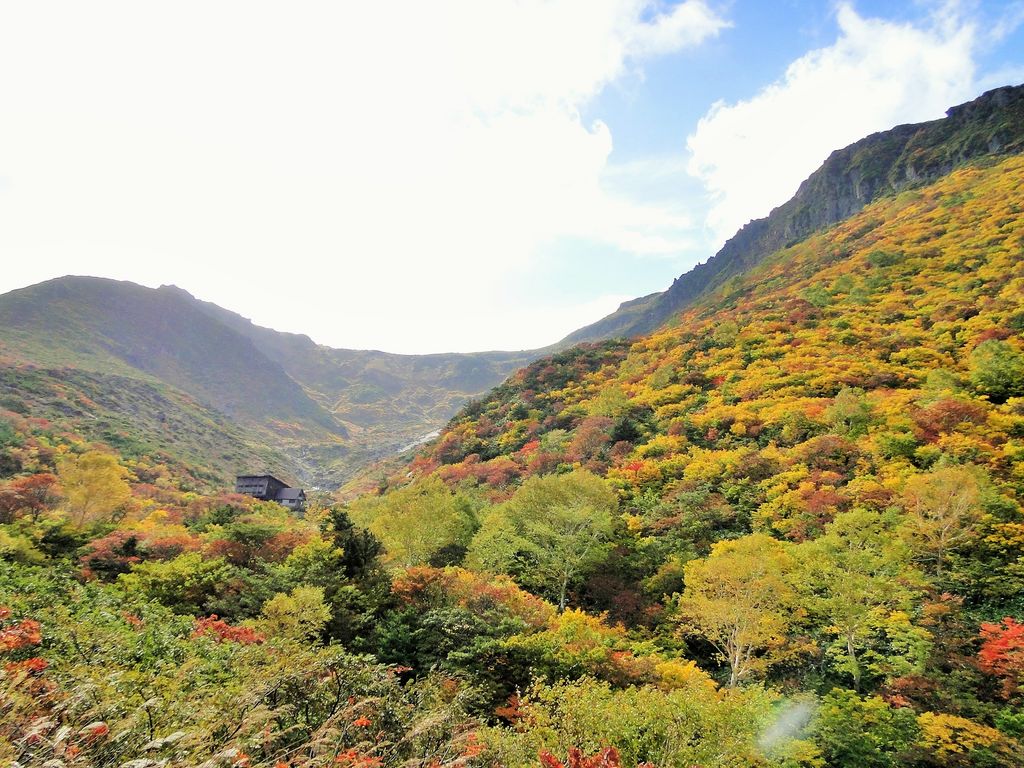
(943, 509)
(997, 370)
(95, 486)
(741, 600)
(31, 495)
(551, 532)
(299, 615)
(860, 577)
(417, 521)
(1002, 652)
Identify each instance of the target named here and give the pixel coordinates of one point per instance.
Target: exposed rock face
(881, 164)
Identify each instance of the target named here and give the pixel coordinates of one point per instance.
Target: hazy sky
(436, 176)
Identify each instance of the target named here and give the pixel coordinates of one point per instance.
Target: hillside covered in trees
(785, 529)
(816, 473)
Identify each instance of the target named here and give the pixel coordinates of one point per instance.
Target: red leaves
(112, 554)
(513, 711)
(530, 447)
(1002, 653)
(945, 416)
(94, 731)
(34, 666)
(362, 722)
(606, 758)
(224, 632)
(32, 494)
(354, 759)
(273, 549)
(473, 746)
(497, 472)
(20, 635)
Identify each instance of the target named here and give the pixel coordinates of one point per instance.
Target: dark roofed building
(263, 487)
(269, 488)
(293, 498)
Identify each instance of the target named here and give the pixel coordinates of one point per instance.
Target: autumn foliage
(15, 635)
(223, 632)
(1002, 653)
(769, 533)
(606, 758)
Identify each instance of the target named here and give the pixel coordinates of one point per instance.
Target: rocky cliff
(881, 164)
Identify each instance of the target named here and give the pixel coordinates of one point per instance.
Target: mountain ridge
(908, 317)
(883, 163)
(160, 335)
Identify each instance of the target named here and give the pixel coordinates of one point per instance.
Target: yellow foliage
(95, 486)
(679, 673)
(947, 735)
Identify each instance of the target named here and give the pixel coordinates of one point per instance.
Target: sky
(454, 175)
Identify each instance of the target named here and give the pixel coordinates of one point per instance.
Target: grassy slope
(141, 420)
(386, 401)
(137, 367)
(119, 327)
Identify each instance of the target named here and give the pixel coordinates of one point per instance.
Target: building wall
(261, 487)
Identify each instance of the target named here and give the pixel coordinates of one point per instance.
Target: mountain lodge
(269, 488)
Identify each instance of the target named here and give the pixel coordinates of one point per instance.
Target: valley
(315, 413)
(771, 517)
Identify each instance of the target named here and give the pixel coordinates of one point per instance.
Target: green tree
(185, 584)
(741, 600)
(554, 530)
(849, 413)
(360, 550)
(299, 615)
(997, 370)
(943, 512)
(352, 599)
(861, 578)
(863, 733)
(694, 725)
(416, 521)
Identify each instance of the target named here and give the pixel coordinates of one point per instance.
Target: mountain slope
(325, 412)
(403, 396)
(900, 306)
(817, 477)
(879, 165)
(242, 397)
(106, 325)
(142, 420)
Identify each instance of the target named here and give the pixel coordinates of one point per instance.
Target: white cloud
(685, 25)
(1005, 23)
(752, 155)
(393, 163)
